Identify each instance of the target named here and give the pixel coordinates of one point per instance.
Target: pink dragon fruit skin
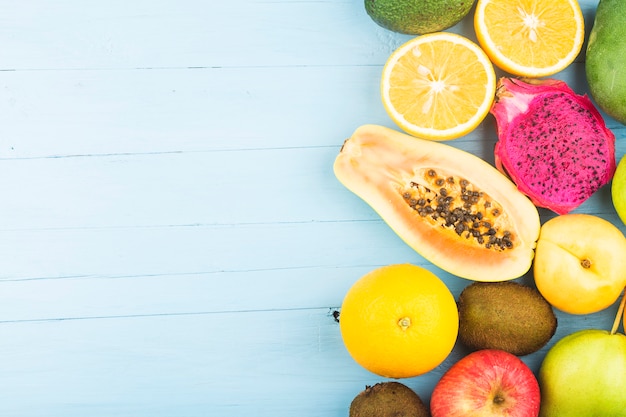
(552, 143)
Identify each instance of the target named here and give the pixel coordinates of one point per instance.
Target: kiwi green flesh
(505, 315)
(388, 399)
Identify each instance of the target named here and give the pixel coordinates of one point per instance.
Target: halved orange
(530, 38)
(438, 86)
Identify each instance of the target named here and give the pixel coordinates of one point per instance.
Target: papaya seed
(454, 204)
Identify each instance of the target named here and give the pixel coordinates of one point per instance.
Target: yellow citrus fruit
(530, 38)
(399, 321)
(438, 86)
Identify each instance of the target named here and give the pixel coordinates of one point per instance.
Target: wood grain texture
(173, 239)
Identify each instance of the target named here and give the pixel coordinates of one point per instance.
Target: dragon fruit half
(552, 142)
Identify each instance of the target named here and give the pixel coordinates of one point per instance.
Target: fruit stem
(620, 312)
(404, 323)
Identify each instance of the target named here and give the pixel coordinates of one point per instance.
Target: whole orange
(399, 321)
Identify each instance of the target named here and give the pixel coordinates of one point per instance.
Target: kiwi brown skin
(505, 315)
(388, 399)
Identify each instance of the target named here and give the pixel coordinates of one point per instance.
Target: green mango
(605, 62)
(417, 17)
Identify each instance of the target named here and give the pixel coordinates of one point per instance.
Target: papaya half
(453, 208)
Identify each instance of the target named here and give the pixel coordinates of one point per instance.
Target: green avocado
(417, 17)
(605, 62)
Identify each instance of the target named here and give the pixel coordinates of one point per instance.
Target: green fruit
(605, 63)
(505, 315)
(584, 375)
(388, 399)
(417, 17)
(618, 189)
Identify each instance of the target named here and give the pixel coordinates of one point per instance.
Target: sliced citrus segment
(530, 38)
(438, 86)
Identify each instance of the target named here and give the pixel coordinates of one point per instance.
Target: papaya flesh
(453, 208)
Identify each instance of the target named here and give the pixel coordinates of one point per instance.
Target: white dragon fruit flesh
(552, 142)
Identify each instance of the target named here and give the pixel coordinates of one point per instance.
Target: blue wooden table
(173, 240)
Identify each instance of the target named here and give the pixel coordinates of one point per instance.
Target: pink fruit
(552, 142)
(487, 383)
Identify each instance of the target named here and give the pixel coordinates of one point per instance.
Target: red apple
(486, 383)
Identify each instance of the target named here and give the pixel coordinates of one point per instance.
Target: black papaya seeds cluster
(454, 203)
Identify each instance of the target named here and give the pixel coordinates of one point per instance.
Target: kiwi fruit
(388, 399)
(505, 315)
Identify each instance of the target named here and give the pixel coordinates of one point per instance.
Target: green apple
(584, 375)
(618, 189)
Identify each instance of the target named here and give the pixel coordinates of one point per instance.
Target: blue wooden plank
(263, 363)
(68, 113)
(190, 33)
(285, 185)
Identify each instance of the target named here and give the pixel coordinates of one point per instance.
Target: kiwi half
(388, 399)
(505, 315)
